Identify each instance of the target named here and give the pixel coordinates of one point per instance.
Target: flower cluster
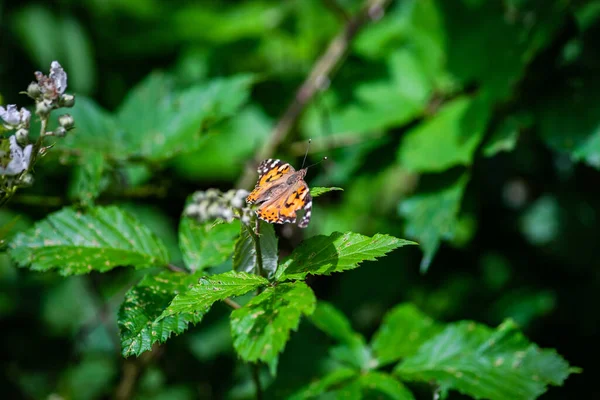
(17, 153)
(214, 204)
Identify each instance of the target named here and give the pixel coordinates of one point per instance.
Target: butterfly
(280, 192)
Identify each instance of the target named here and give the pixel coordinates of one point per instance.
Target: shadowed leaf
(262, 327)
(144, 303)
(496, 364)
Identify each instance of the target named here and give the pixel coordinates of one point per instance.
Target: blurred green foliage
(469, 126)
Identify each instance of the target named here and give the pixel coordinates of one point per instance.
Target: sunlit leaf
(139, 315)
(262, 327)
(403, 330)
(431, 216)
(77, 243)
(318, 191)
(498, 364)
(200, 297)
(323, 255)
(206, 244)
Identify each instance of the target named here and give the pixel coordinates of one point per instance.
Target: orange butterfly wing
(270, 172)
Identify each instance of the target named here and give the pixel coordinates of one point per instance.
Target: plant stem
(256, 378)
(316, 80)
(231, 303)
(256, 240)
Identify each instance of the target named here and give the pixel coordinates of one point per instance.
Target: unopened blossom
(15, 118)
(19, 158)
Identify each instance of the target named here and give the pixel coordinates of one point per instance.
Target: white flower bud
(66, 100)
(43, 108)
(22, 136)
(34, 91)
(227, 214)
(66, 121)
(26, 180)
(60, 132)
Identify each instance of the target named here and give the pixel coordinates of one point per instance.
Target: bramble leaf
(139, 315)
(403, 330)
(318, 191)
(200, 297)
(245, 258)
(86, 179)
(337, 378)
(448, 139)
(262, 327)
(206, 244)
(377, 385)
(160, 123)
(496, 364)
(431, 216)
(156, 122)
(77, 243)
(352, 349)
(322, 255)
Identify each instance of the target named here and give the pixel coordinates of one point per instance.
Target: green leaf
(206, 244)
(95, 129)
(431, 217)
(200, 297)
(160, 123)
(86, 179)
(353, 349)
(337, 378)
(262, 327)
(79, 56)
(377, 385)
(403, 330)
(481, 362)
(448, 139)
(333, 322)
(139, 316)
(77, 243)
(318, 191)
(245, 257)
(322, 255)
(208, 163)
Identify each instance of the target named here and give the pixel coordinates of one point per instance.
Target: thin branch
(231, 303)
(317, 79)
(256, 378)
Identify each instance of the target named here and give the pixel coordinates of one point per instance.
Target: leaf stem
(256, 378)
(256, 240)
(231, 303)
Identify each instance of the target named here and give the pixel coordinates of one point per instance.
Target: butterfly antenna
(306, 154)
(317, 163)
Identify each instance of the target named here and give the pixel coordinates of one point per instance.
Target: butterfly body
(280, 192)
